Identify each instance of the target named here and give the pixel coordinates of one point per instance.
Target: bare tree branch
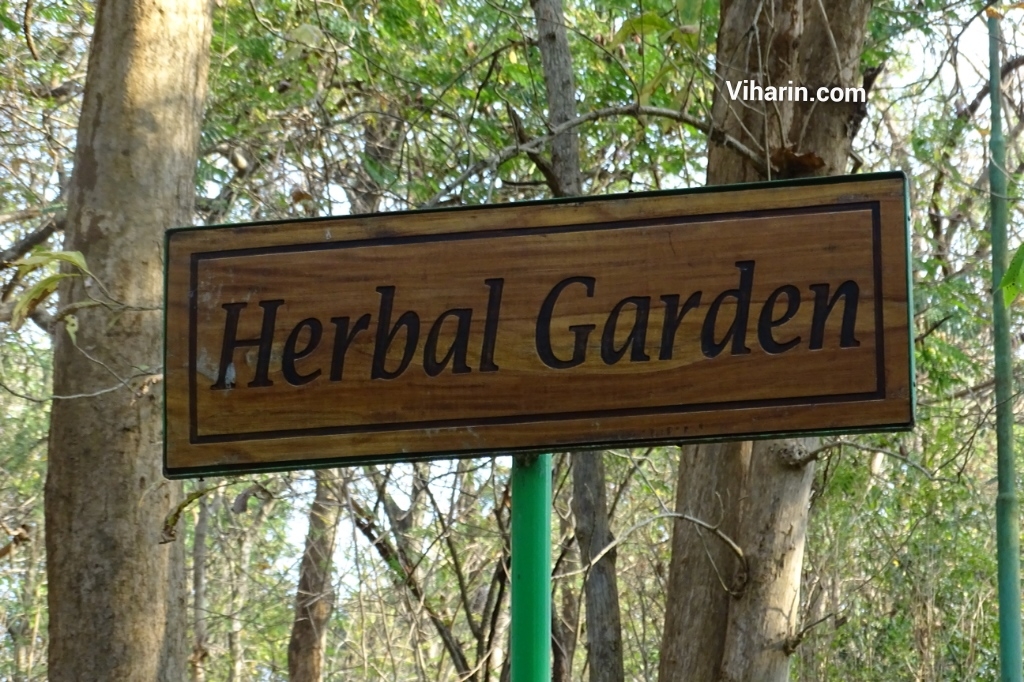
(714, 529)
(395, 558)
(635, 110)
(27, 25)
(814, 454)
(29, 241)
(793, 642)
(24, 214)
(963, 116)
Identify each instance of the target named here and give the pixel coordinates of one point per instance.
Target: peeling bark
(116, 595)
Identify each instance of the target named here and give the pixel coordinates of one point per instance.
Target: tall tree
(200, 650)
(601, 589)
(563, 173)
(314, 598)
(116, 595)
(590, 508)
(733, 610)
(244, 535)
(899, 543)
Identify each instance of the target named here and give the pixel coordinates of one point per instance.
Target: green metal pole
(530, 657)
(1007, 521)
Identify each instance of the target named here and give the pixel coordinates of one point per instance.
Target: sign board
(744, 310)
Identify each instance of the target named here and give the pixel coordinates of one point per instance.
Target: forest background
(399, 572)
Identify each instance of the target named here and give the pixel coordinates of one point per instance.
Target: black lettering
(823, 308)
(637, 338)
(386, 334)
(289, 355)
(231, 342)
(456, 352)
(672, 320)
(491, 324)
(581, 331)
(343, 339)
(766, 322)
(738, 330)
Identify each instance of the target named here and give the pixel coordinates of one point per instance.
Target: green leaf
(308, 34)
(686, 36)
(689, 10)
(648, 22)
(41, 258)
(381, 175)
(1013, 279)
(650, 86)
(33, 296)
(9, 23)
(304, 36)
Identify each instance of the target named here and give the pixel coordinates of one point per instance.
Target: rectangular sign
(735, 311)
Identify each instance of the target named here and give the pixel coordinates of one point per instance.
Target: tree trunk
(116, 595)
(200, 652)
(563, 175)
(604, 626)
(765, 619)
(780, 43)
(565, 617)
(727, 619)
(314, 599)
(603, 622)
(711, 479)
(240, 579)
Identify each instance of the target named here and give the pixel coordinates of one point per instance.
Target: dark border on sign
(607, 444)
(507, 420)
(291, 465)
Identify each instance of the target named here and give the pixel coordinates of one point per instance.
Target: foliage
(25, 369)
(358, 105)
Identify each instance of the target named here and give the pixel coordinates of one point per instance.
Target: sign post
(740, 311)
(530, 656)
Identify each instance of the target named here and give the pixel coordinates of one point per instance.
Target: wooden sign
(650, 318)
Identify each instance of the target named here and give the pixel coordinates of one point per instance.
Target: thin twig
(793, 642)
(832, 42)
(635, 110)
(28, 242)
(969, 391)
(814, 454)
(28, 213)
(34, 399)
(737, 550)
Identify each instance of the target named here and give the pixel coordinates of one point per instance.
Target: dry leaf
(789, 164)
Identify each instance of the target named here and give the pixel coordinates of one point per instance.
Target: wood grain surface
(749, 310)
